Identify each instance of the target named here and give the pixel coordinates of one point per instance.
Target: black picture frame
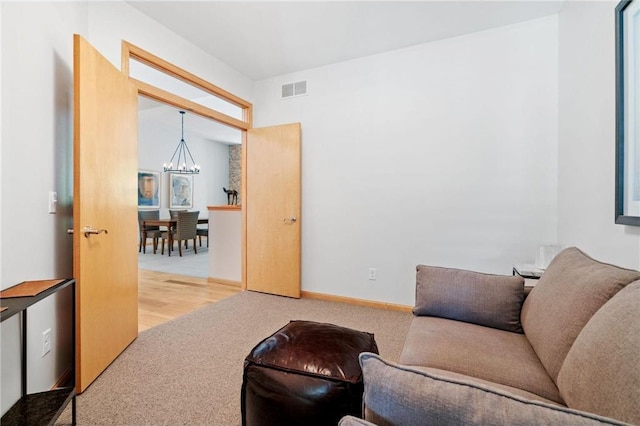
(622, 92)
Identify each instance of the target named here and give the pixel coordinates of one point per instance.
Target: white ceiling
(264, 39)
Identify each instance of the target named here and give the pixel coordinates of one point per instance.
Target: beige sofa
(479, 352)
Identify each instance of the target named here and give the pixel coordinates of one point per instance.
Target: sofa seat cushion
(486, 353)
(515, 391)
(571, 290)
(400, 395)
(601, 373)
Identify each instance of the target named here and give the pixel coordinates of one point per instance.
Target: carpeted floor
(189, 371)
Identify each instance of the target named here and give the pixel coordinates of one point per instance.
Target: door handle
(291, 219)
(88, 230)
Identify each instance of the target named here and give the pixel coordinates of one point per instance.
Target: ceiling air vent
(290, 90)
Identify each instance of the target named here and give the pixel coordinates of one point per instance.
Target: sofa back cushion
(571, 290)
(483, 299)
(601, 373)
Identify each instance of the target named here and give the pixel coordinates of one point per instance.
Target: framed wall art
(627, 196)
(180, 191)
(148, 189)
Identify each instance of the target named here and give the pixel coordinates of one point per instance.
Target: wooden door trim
(179, 102)
(131, 51)
(243, 197)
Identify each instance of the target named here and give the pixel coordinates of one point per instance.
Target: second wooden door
(273, 207)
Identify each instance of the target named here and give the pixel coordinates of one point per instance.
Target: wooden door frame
(131, 51)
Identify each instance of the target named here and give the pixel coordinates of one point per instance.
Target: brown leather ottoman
(307, 373)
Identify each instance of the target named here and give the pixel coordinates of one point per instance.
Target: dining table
(170, 224)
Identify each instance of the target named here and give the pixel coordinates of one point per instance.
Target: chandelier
(181, 164)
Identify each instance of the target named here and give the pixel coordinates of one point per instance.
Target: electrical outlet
(372, 274)
(46, 341)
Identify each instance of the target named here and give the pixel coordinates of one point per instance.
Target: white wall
(37, 94)
(112, 22)
(37, 131)
(586, 156)
(37, 99)
(443, 153)
(157, 142)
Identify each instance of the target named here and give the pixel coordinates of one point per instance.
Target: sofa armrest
(484, 299)
(399, 395)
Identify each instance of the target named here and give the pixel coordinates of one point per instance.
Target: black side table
(41, 408)
(527, 271)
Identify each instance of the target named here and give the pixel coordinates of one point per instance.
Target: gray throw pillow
(483, 299)
(400, 395)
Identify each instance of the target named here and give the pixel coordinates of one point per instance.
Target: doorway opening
(214, 126)
(214, 146)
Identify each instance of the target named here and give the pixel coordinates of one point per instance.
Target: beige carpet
(189, 371)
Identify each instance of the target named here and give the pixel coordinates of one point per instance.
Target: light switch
(53, 202)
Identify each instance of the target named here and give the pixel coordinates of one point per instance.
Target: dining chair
(148, 231)
(203, 232)
(173, 214)
(186, 229)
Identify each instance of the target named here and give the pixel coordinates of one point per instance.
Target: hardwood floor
(163, 297)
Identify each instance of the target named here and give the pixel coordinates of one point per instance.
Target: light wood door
(104, 197)
(272, 209)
